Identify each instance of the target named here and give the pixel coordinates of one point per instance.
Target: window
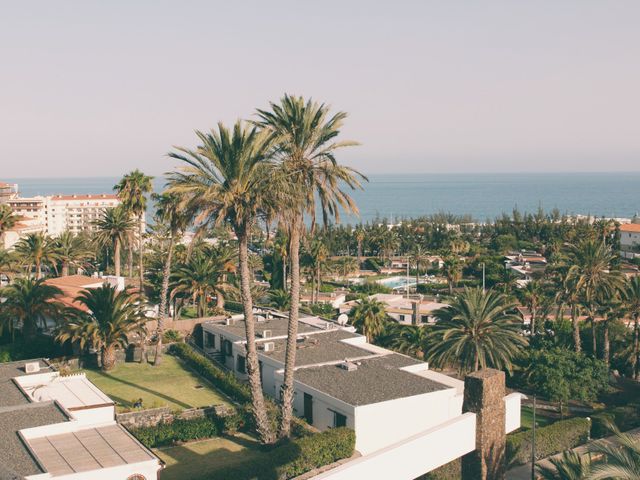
(401, 317)
(339, 420)
(210, 340)
(308, 408)
(241, 364)
(226, 347)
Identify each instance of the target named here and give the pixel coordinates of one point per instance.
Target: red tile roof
(630, 227)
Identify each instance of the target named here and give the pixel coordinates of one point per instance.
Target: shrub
(449, 471)
(224, 381)
(171, 336)
(552, 439)
(295, 457)
(374, 264)
(176, 431)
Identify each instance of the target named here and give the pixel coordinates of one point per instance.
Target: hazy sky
(102, 87)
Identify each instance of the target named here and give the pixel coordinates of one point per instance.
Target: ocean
(483, 196)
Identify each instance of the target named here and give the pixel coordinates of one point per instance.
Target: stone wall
(184, 326)
(153, 416)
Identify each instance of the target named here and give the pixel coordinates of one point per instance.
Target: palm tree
(369, 316)
(417, 257)
(109, 319)
(347, 265)
(72, 250)
(570, 295)
(592, 277)
(36, 249)
(631, 297)
(30, 302)
(452, 267)
(7, 221)
(169, 212)
(113, 227)
(621, 458)
(531, 296)
(226, 179)
(570, 466)
(7, 263)
(196, 278)
(407, 339)
(132, 190)
(309, 174)
(281, 249)
(316, 256)
(359, 235)
(279, 299)
(476, 331)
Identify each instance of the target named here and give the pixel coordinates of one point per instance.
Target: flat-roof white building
(341, 380)
(64, 428)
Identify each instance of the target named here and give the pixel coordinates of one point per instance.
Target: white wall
(122, 472)
(512, 411)
(381, 424)
(413, 456)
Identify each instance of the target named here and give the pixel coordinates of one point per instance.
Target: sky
(91, 88)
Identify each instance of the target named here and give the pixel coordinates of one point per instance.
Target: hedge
(224, 381)
(448, 471)
(294, 457)
(552, 439)
(176, 431)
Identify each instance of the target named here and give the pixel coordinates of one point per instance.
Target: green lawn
(170, 384)
(526, 418)
(198, 459)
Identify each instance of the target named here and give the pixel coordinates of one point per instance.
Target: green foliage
(322, 309)
(373, 264)
(370, 287)
(552, 439)
(624, 418)
(226, 382)
(177, 431)
(560, 375)
(171, 336)
(295, 457)
(449, 471)
(38, 347)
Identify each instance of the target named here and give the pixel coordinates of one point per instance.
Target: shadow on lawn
(225, 464)
(144, 389)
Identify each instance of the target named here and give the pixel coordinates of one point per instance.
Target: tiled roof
(630, 227)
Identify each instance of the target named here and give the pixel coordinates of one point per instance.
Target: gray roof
(278, 327)
(375, 380)
(10, 394)
(14, 456)
(319, 348)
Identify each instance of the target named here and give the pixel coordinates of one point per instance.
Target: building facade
(630, 240)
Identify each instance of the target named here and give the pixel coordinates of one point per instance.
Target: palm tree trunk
(130, 253)
(65, 268)
(261, 418)
(313, 287)
(108, 358)
(576, 329)
(141, 253)
(162, 311)
(533, 321)
(476, 361)
(636, 347)
(116, 256)
(292, 330)
(284, 274)
(593, 337)
(605, 343)
(38, 270)
(359, 254)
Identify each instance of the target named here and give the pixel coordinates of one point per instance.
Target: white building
(64, 428)
(630, 240)
(341, 380)
(407, 311)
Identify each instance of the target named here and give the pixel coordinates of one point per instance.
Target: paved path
(523, 472)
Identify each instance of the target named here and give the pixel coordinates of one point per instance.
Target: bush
(224, 381)
(370, 288)
(171, 336)
(552, 439)
(374, 264)
(176, 431)
(295, 457)
(625, 418)
(449, 471)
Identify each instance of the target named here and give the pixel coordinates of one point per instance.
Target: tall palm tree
(570, 294)
(226, 179)
(281, 248)
(369, 316)
(592, 277)
(7, 263)
(36, 250)
(113, 227)
(310, 175)
(476, 331)
(631, 295)
(169, 212)
(612, 309)
(418, 256)
(7, 221)
(72, 250)
(132, 190)
(109, 319)
(30, 302)
(316, 256)
(359, 234)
